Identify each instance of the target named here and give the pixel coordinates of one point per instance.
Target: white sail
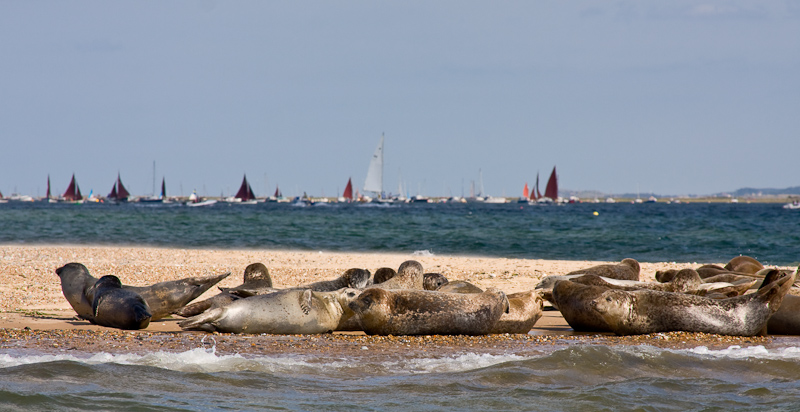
(374, 182)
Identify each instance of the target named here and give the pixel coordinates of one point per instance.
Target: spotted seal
(459, 286)
(524, 309)
(163, 298)
(433, 281)
(116, 307)
(648, 311)
(424, 312)
(289, 311)
(574, 301)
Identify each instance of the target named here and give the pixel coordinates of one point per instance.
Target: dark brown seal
(163, 298)
(116, 307)
(424, 312)
(647, 311)
(628, 269)
(433, 281)
(383, 274)
(460, 286)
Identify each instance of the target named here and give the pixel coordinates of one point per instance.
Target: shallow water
(647, 232)
(564, 378)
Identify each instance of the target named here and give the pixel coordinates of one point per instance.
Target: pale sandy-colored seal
(524, 309)
(163, 298)
(459, 286)
(627, 269)
(256, 276)
(409, 276)
(289, 311)
(648, 311)
(116, 307)
(424, 312)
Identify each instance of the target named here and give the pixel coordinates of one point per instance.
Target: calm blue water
(574, 377)
(647, 232)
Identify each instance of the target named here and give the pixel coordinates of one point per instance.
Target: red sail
(163, 188)
(122, 194)
(113, 194)
(48, 187)
(348, 190)
(73, 192)
(535, 193)
(245, 191)
(551, 190)
(278, 192)
(525, 192)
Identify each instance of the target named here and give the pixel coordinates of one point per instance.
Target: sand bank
(35, 315)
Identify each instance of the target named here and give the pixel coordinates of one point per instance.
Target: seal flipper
(305, 301)
(203, 321)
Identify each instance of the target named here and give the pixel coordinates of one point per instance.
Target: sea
(569, 376)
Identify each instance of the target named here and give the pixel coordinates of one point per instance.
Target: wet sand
(35, 316)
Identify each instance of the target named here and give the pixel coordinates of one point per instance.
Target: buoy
(595, 213)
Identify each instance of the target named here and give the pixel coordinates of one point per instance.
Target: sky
(679, 97)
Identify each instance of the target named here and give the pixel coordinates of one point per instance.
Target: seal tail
(203, 321)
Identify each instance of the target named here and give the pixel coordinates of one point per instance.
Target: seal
(524, 309)
(685, 281)
(574, 301)
(256, 277)
(352, 278)
(648, 311)
(433, 281)
(459, 286)
(409, 276)
(383, 274)
(425, 312)
(627, 269)
(786, 320)
(163, 298)
(116, 307)
(289, 311)
(705, 272)
(745, 264)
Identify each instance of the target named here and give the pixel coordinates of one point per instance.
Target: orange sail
(525, 192)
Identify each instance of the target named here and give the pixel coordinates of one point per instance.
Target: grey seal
(424, 312)
(163, 298)
(116, 307)
(289, 311)
(524, 309)
(574, 301)
(648, 311)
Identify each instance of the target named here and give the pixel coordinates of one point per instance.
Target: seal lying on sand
(574, 301)
(524, 309)
(647, 311)
(162, 298)
(744, 264)
(424, 312)
(433, 281)
(352, 278)
(116, 307)
(409, 276)
(459, 286)
(628, 269)
(786, 320)
(686, 281)
(256, 276)
(289, 311)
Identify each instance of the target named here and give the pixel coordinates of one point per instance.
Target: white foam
(738, 352)
(423, 253)
(207, 361)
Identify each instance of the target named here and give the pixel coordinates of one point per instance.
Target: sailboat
(3, 200)
(347, 196)
(245, 194)
(551, 190)
(162, 198)
(118, 192)
(73, 192)
(374, 180)
(525, 194)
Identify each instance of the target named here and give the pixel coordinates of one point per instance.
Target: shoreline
(34, 315)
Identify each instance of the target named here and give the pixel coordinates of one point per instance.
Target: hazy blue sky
(674, 97)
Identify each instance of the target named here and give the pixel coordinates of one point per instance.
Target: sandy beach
(36, 316)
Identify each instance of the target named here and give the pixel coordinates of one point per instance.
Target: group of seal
(402, 302)
(687, 301)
